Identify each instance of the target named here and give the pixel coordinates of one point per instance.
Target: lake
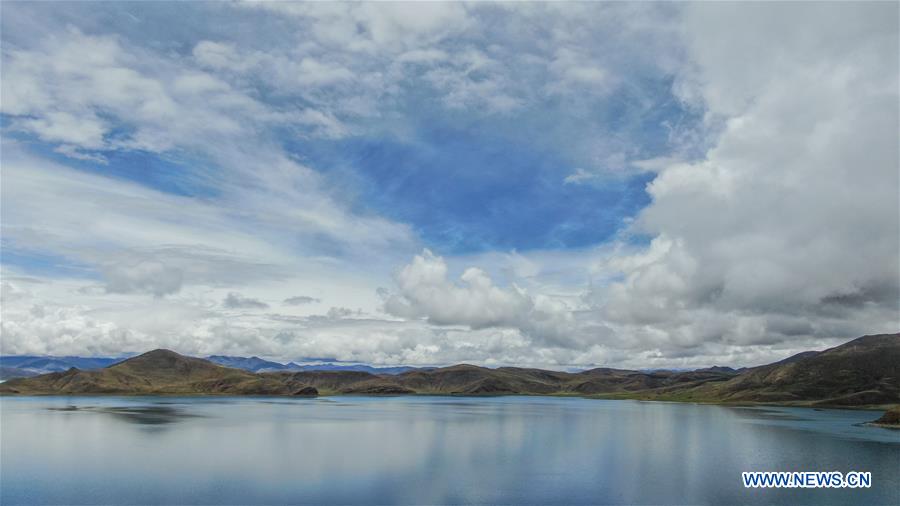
(427, 450)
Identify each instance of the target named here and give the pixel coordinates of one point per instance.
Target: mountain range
(862, 372)
(23, 366)
(26, 366)
(256, 364)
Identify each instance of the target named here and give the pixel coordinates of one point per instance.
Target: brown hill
(890, 418)
(156, 372)
(465, 379)
(865, 371)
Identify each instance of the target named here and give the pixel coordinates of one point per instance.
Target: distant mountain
(158, 372)
(865, 371)
(23, 366)
(726, 370)
(256, 364)
(13, 372)
(253, 364)
(356, 367)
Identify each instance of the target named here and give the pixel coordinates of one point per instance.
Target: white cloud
(478, 80)
(86, 131)
(793, 211)
(219, 55)
(144, 240)
(576, 70)
(314, 72)
(579, 176)
(75, 88)
(425, 291)
(386, 26)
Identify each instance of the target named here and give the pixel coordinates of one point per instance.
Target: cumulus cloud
(423, 291)
(792, 213)
(67, 330)
(237, 301)
(190, 322)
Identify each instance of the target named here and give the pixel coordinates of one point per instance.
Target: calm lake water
(427, 450)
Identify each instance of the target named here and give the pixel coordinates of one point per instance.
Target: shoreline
(865, 407)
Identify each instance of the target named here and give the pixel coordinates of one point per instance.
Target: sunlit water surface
(427, 450)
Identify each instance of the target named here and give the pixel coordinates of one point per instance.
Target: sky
(560, 185)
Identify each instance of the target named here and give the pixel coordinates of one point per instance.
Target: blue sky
(467, 191)
(538, 184)
(465, 182)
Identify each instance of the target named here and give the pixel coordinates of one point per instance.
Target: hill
(861, 372)
(865, 371)
(472, 380)
(890, 418)
(157, 372)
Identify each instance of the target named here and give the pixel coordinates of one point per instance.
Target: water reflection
(422, 450)
(761, 413)
(140, 415)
